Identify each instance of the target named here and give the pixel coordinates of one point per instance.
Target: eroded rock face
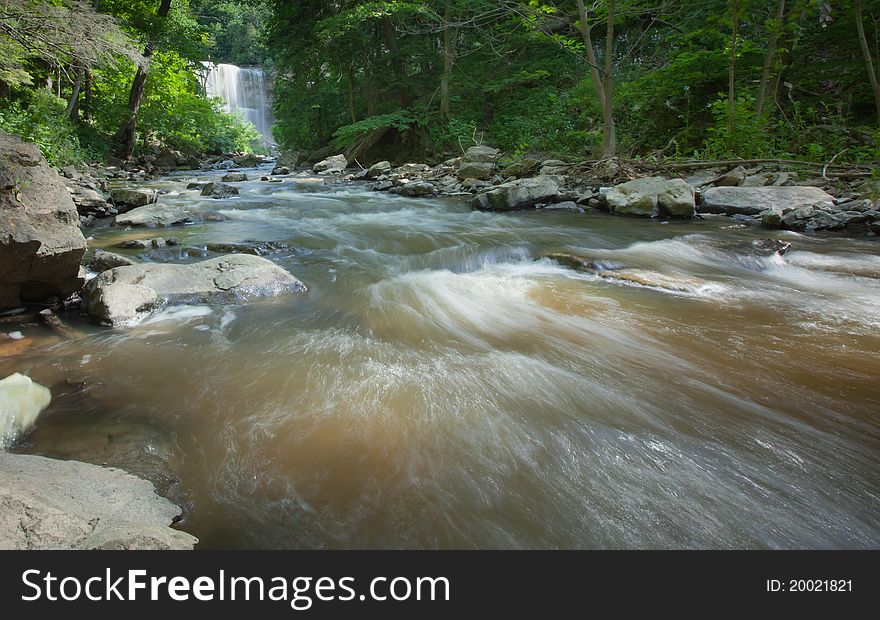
(120, 295)
(41, 244)
(756, 200)
(519, 194)
(50, 504)
(652, 197)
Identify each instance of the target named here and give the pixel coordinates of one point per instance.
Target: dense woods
(421, 79)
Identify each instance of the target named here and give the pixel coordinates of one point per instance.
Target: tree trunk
(447, 59)
(869, 61)
(351, 92)
(731, 71)
(604, 90)
(127, 133)
(87, 104)
(72, 111)
(609, 133)
(769, 59)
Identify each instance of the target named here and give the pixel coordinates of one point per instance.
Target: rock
(554, 166)
(756, 200)
(476, 170)
(568, 205)
(756, 180)
(382, 186)
(89, 202)
(652, 197)
(21, 401)
(332, 165)
(772, 218)
(248, 160)
(733, 178)
(210, 216)
(119, 295)
(219, 190)
(168, 159)
(280, 170)
(480, 154)
(41, 244)
(409, 170)
(256, 248)
(415, 188)
(154, 215)
(50, 504)
(519, 194)
(307, 181)
(234, 177)
(196, 185)
(769, 247)
(377, 170)
(521, 168)
(103, 260)
(126, 199)
(134, 244)
(70, 172)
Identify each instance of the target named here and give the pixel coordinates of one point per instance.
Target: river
(439, 387)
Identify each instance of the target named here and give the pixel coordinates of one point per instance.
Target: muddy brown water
(438, 387)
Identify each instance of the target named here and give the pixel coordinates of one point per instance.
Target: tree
(602, 83)
(868, 56)
(128, 131)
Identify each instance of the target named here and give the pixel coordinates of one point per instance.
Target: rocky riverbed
(549, 355)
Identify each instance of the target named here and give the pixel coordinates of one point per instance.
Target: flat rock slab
(121, 295)
(755, 200)
(154, 215)
(51, 504)
(520, 194)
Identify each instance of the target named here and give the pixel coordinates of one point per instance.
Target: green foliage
(400, 120)
(40, 119)
(749, 139)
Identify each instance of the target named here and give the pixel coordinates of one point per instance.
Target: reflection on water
(439, 387)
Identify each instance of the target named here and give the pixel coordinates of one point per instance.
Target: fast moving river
(439, 387)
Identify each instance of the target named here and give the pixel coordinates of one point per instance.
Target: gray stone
(154, 215)
(652, 197)
(733, 178)
(131, 198)
(378, 169)
(248, 160)
(41, 244)
(756, 200)
(118, 296)
(219, 190)
(50, 504)
(519, 194)
(331, 165)
(415, 188)
(280, 170)
(70, 172)
(103, 260)
(480, 154)
(234, 177)
(476, 170)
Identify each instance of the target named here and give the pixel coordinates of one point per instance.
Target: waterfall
(244, 91)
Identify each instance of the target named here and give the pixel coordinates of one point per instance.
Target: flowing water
(244, 91)
(439, 387)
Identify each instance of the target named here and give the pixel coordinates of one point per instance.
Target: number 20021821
(809, 585)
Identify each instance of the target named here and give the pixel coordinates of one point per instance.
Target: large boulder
(756, 200)
(478, 163)
(234, 177)
(126, 199)
(41, 244)
(378, 169)
(332, 165)
(652, 197)
(219, 190)
(519, 194)
(154, 215)
(50, 504)
(120, 295)
(248, 160)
